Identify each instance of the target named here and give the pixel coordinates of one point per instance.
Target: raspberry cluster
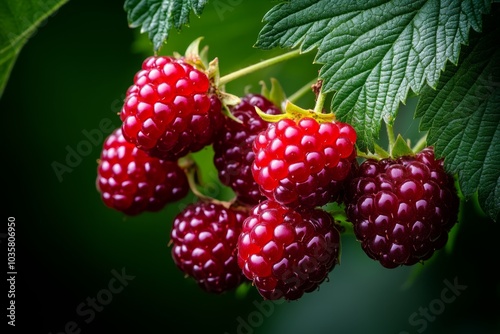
(170, 111)
(283, 167)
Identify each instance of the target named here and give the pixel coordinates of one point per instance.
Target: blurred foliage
(18, 22)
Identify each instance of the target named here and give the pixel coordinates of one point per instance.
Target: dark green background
(70, 76)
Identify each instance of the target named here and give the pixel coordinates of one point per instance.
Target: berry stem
(320, 101)
(390, 136)
(191, 169)
(255, 67)
(365, 155)
(421, 144)
(302, 91)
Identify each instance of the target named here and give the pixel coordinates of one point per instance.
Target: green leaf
(374, 51)
(463, 119)
(158, 17)
(18, 21)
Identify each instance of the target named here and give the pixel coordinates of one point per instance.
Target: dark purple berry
(402, 209)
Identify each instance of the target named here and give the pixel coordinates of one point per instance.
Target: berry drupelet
(402, 209)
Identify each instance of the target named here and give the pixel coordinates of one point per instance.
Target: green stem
(421, 144)
(302, 91)
(255, 67)
(365, 155)
(320, 101)
(191, 169)
(390, 136)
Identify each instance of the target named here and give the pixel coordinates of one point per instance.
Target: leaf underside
(374, 52)
(158, 17)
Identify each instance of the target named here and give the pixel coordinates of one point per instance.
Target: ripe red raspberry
(286, 252)
(204, 237)
(402, 209)
(131, 181)
(304, 162)
(233, 147)
(169, 111)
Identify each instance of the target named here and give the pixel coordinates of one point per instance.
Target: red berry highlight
(132, 182)
(169, 110)
(204, 239)
(285, 252)
(304, 163)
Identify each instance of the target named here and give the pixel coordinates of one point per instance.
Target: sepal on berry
(303, 159)
(276, 94)
(380, 152)
(397, 148)
(213, 72)
(227, 100)
(196, 58)
(296, 113)
(199, 60)
(401, 148)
